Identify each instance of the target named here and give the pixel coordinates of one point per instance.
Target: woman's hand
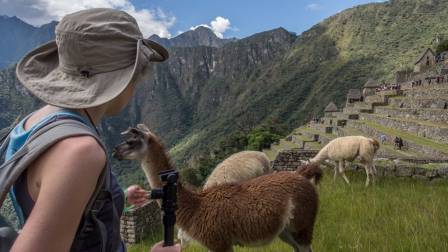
(160, 248)
(136, 195)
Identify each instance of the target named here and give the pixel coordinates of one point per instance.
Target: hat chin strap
(91, 121)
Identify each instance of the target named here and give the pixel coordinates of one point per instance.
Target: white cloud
(38, 12)
(219, 26)
(313, 7)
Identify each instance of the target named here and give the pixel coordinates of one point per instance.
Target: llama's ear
(132, 132)
(143, 127)
(126, 132)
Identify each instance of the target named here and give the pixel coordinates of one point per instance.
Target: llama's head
(304, 162)
(136, 143)
(376, 145)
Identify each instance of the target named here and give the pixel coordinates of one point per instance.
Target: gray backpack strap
(4, 140)
(40, 141)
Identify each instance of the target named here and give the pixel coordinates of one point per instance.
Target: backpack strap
(39, 142)
(42, 139)
(4, 140)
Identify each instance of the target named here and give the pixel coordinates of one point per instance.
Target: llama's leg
(230, 249)
(335, 171)
(303, 239)
(219, 246)
(367, 168)
(374, 168)
(372, 171)
(286, 236)
(342, 171)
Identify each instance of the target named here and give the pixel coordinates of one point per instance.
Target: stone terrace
(417, 114)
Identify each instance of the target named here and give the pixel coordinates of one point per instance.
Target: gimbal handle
(168, 194)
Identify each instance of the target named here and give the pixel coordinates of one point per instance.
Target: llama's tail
(376, 144)
(312, 172)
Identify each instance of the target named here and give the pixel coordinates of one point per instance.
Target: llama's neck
(188, 202)
(155, 162)
(321, 156)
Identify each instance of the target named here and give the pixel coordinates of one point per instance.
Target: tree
(262, 137)
(442, 46)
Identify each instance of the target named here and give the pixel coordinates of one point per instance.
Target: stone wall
(405, 102)
(410, 171)
(437, 133)
(416, 147)
(139, 222)
(435, 115)
(289, 160)
(376, 99)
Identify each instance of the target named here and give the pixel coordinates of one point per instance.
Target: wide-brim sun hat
(96, 54)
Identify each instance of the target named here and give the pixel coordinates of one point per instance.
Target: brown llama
(240, 166)
(253, 212)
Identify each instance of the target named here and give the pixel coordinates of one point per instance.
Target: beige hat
(96, 54)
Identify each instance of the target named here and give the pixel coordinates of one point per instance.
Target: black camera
(168, 194)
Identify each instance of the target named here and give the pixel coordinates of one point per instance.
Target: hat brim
(40, 73)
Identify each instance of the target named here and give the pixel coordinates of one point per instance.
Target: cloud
(219, 26)
(38, 12)
(314, 7)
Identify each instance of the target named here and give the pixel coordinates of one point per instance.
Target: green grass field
(394, 215)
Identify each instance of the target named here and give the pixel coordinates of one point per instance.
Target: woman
(90, 71)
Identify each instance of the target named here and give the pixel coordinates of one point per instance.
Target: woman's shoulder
(73, 156)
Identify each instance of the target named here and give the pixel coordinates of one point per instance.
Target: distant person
(383, 138)
(398, 143)
(89, 72)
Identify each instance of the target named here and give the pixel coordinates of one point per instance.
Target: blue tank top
(22, 201)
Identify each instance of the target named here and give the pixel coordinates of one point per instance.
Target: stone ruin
(137, 223)
(415, 107)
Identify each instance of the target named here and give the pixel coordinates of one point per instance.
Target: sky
(168, 18)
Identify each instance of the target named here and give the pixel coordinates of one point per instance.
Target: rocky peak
(201, 36)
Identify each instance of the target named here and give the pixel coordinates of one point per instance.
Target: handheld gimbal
(168, 194)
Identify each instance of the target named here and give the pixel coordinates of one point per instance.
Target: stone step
(425, 92)
(376, 99)
(386, 149)
(323, 138)
(417, 144)
(431, 115)
(437, 132)
(303, 141)
(358, 107)
(419, 103)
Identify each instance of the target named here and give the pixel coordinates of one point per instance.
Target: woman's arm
(68, 173)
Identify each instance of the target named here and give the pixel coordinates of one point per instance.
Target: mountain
(14, 99)
(19, 37)
(201, 36)
(294, 84)
(203, 93)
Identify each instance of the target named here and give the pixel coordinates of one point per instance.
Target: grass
(394, 215)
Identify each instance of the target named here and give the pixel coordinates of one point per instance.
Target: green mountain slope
(342, 52)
